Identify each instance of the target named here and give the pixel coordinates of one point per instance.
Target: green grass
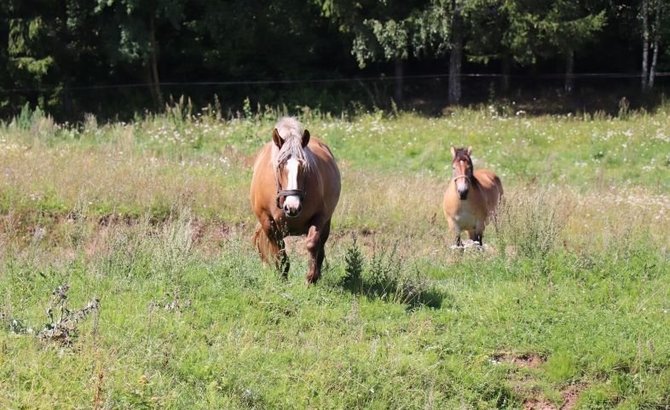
(152, 218)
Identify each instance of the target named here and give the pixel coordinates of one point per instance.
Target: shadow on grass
(411, 294)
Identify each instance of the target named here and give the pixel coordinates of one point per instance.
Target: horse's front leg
(277, 246)
(477, 237)
(283, 265)
(456, 231)
(316, 238)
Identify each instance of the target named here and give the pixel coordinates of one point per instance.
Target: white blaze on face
(462, 181)
(292, 201)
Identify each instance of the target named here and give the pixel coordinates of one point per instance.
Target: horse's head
(292, 164)
(462, 169)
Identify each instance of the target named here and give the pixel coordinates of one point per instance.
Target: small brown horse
(471, 197)
(294, 190)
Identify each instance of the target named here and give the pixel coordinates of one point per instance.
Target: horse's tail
(262, 243)
(500, 202)
(498, 183)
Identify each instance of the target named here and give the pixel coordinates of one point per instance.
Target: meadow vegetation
(128, 279)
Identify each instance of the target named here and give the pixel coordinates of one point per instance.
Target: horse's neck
(474, 181)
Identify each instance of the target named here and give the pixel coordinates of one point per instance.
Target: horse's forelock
(461, 154)
(289, 127)
(291, 131)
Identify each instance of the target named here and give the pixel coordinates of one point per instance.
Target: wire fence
(425, 92)
(167, 84)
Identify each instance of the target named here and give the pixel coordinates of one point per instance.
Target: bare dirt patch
(538, 404)
(571, 395)
(533, 398)
(527, 360)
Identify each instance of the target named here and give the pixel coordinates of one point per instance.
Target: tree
(49, 45)
(654, 19)
(566, 28)
(131, 31)
(381, 31)
(504, 30)
(440, 29)
(31, 50)
(522, 31)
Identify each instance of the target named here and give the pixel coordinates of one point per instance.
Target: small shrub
(354, 264)
(384, 273)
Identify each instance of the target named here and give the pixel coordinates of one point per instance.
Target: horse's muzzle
(290, 211)
(463, 195)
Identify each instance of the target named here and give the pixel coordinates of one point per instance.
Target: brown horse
(471, 197)
(294, 190)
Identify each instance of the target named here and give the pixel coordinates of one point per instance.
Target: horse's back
(491, 187)
(262, 179)
(330, 173)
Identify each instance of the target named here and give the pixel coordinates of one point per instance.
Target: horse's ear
(470, 150)
(277, 138)
(453, 151)
(305, 138)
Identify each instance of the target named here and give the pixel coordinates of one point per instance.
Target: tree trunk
(569, 71)
(655, 45)
(506, 69)
(645, 43)
(399, 73)
(456, 55)
(155, 80)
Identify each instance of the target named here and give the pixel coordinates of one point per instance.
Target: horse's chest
(465, 214)
(293, 226)
(465, 218)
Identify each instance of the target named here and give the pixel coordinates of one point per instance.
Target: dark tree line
(75, 56)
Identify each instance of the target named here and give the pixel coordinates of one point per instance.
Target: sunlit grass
(152, 218)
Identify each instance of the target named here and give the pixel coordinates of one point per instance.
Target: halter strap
(283, 193)
(461, 176)
(289, 192)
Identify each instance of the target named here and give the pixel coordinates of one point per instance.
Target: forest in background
(117, 58)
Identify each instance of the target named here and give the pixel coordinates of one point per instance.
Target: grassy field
(128, 280)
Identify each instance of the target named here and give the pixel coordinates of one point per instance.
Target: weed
(62, 326)
(530, 222)
(624, 108)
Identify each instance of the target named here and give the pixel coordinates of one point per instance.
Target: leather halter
(283, 193)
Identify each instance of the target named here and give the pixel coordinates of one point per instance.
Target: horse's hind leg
(270, 244)
(262, 243)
